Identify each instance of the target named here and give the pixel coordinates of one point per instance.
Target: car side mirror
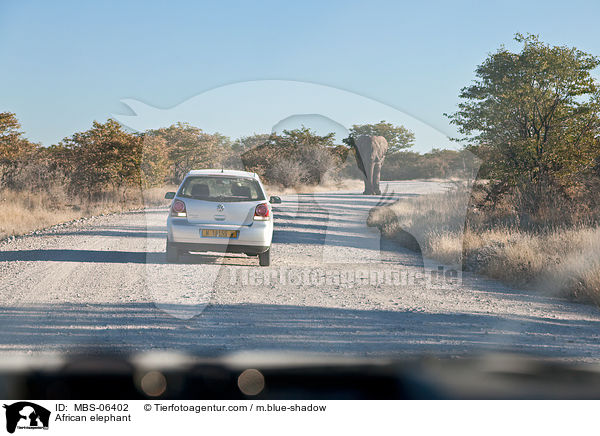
(275, 200)
(170, 195)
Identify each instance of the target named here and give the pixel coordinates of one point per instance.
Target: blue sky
(65, 64)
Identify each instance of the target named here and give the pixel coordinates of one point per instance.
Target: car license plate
(216, 233)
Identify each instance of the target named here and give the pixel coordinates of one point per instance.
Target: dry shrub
(312, 166)
(288, 173)
(320, 164)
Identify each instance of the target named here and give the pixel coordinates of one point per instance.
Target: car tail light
(178, 208)
(262, 212)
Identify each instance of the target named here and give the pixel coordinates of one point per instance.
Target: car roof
(222, 172)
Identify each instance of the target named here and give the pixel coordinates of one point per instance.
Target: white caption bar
(299, 417)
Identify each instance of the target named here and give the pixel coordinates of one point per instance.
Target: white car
(222, 211)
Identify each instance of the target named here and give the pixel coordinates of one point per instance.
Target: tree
(191, 148)
(101, 158)
(154, 164)
(532, 117)
(12, 143)
(398, 137)
(15, 150)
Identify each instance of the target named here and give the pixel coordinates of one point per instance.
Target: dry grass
(560, 261)
(563, 262)
(24, 212)
(333, 185)
(156, 196)
(435, 222)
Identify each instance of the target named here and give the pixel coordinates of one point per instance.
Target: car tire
(264, 259)
(172, 253)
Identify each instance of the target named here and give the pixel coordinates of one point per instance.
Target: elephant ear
(381, 145)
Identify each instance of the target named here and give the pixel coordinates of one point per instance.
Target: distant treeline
(107, 158)
(439, 164)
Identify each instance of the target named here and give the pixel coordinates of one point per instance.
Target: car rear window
(221, 188)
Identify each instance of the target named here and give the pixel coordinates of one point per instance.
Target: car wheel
(264, 259)
(172, 253)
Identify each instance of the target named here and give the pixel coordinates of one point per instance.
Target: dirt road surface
(333, 287)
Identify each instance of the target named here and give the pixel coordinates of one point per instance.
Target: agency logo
(26, 415)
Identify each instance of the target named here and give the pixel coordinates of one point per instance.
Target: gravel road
(334, 286)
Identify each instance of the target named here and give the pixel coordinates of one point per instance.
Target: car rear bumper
(256, 236)
(228, 248)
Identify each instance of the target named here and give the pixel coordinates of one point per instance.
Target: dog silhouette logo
(26, 415)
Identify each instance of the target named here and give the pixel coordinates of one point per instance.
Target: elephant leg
(376, 176)
(366, 172)
(366, 180)
(369, 182)
(363, 171)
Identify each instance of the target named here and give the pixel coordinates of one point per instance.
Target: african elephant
(370, 154)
